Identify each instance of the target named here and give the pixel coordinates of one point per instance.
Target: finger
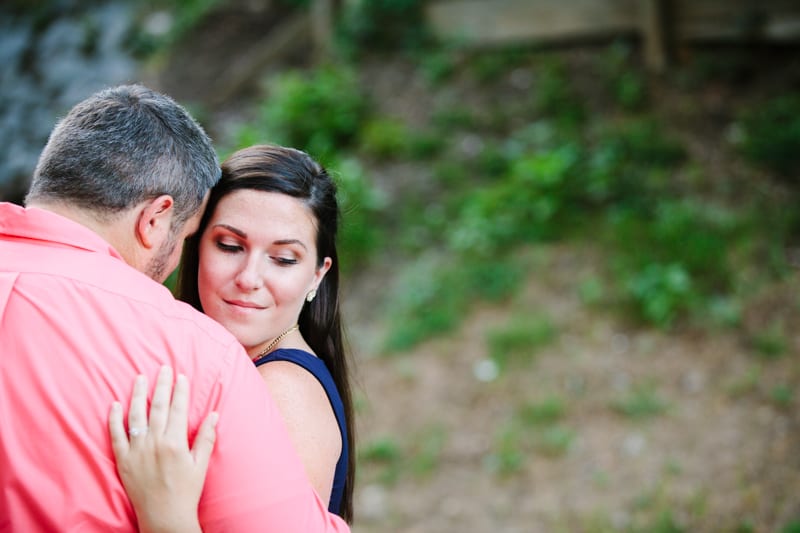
(204, 440)
(137, 413)
(119, 439)
(159, 405)
(177, 426)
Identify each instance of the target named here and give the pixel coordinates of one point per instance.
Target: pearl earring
(311, 294)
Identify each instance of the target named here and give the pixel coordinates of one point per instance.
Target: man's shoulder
(206, 332)
(98, 285)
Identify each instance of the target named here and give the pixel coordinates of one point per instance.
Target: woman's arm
(162, 476)
(310, 420)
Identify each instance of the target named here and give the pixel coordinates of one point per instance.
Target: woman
(264, 264)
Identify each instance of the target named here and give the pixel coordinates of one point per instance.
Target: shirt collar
(44, 225)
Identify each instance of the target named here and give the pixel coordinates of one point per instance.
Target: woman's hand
(163, 477)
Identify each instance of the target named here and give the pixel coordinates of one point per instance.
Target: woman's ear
(155, 221)
(321, 271)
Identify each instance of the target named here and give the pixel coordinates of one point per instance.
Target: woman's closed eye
(228, 247)
(281, 260)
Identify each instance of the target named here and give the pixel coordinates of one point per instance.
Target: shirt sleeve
(256, 481)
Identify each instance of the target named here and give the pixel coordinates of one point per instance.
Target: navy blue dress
(317, 368)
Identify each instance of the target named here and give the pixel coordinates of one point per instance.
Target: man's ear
(155, 220)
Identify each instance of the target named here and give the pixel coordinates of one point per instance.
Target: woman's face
(258, 261)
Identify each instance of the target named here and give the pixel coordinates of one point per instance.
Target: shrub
(432, 296)
(520, 339)
(389, 138)
(319, 111)
(555, 96)
(640, 402)
(672, 257)
(625, 83)
(627, 162)
(524, 207)
(548, 411)
(361, 205)
(384, 25)
(772, 135)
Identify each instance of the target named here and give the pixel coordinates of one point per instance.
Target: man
(120, 184)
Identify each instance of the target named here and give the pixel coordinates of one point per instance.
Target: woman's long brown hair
(294, 173)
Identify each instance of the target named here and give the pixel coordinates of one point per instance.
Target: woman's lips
(244, 304)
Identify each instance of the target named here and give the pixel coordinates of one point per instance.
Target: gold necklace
(274, 343)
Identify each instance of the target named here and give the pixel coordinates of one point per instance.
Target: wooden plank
(654, 34)
(505, 21)
(322, 23)
(737, 20)
(488, 22)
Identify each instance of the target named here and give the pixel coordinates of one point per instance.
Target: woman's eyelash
(232, 248)
(228, 247)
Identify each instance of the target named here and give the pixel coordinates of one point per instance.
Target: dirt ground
(722, 457)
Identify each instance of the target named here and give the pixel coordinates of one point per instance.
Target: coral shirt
(76, 325)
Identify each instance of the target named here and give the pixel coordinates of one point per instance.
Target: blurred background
(570, 239)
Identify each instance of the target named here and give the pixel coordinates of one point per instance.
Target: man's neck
(117, 231)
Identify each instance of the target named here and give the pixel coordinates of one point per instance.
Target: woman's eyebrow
(290, 241)
(233, 230)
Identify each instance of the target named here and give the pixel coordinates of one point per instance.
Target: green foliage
(449, 172)
(507, 456)
(672, 258)
(491, 279)
(664, 522)
(625, 82)
(555, 96)
(386, 453)
(524, 207)
(654, 513)
(388, 138)
(437, 65)
(591, 290)
(383, 25)
(489, 65)
(297, 3)
(493, 161)
(172, 281)
(745, 384)
(547, 411)
(661, 292)
(793, 526)
(520, 339)
(431, 297)
(771, 135)
(321, 111)
(453, 117)
(641, 402)
(724, 311)
(555, 441)
(627, 162)
(184, 16)
(427, 450)
(771, 342)
(425, 304)
(384, 138)
(782, 396)
(361, 206)
(381, 450)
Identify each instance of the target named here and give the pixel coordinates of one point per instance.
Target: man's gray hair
(122, 146)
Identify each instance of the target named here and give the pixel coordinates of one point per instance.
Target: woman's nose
(249, 276)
